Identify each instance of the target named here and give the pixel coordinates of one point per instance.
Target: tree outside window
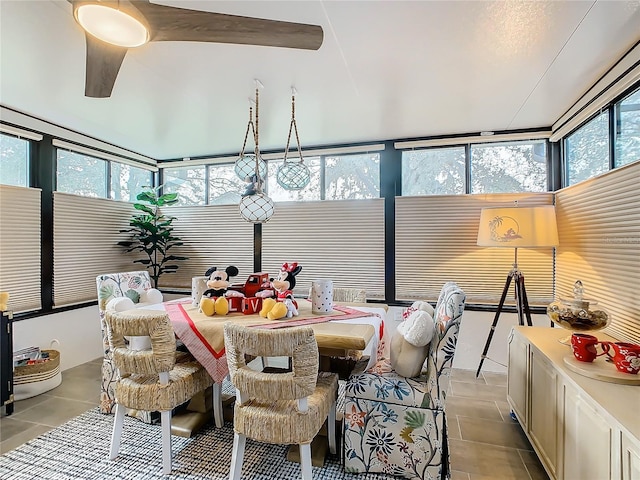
(587, 150)
(81, 174)
(627, 140)
(14, 161)
(127, 181)
(433, 171)
(187, 182)
(509, 167)
(350, 177)
(225, 187)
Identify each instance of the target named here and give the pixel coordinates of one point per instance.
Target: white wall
(78, 332)
(474, 331)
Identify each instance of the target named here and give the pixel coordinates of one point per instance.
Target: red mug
(626, 356)
(584, 347)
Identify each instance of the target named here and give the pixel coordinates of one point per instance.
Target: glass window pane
(352, 176)
(434, 171)
(310, 192)
(587, 150)
(127, 181)
(81, 174)
(14, 160)
(188, 182)
(628, 130)
(509, 167)
(225, 187)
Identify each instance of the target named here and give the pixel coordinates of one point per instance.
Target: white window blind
(213, 236)
(85, 233)
(342, 240)
(599, 229)
(20, 247)
(436, 239)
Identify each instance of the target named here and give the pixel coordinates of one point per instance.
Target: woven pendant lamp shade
(293, 176)
(245, 166)
(256, 208)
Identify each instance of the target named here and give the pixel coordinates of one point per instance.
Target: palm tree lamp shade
(516, 227)
(513, 227)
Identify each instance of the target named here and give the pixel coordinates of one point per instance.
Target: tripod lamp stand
(516, 227)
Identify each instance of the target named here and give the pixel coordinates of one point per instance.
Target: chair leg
(118, 422)
(165, 419)
(239, 441)
(218, 413)
(331, 428)
(305, 461)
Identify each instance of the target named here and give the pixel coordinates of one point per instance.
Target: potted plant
(152, 233)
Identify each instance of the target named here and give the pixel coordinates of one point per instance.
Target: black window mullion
(467, 168)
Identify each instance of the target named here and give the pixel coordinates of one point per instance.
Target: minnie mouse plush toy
(213, 299)
(283, 305)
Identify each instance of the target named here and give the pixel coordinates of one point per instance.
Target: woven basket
(31, 380)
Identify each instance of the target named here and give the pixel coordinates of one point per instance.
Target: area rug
(78, 450)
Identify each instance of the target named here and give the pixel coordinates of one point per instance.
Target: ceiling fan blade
(103, 64)
(179, 24)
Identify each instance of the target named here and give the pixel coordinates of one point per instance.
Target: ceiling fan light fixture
(111, 25)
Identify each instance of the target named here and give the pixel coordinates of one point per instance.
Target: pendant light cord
(293, 126)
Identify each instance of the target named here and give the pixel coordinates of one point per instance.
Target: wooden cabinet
(517, 372)
(580, 427)
(543, 419)
(630, 458)
(588, 439)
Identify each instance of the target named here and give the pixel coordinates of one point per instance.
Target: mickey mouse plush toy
(283, 305)
(213, 299)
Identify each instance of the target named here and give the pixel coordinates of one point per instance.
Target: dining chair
(132, 286)
(281, 408)
(150, 380)
(397, 425)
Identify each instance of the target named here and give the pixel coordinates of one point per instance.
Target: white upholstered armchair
(397, 425)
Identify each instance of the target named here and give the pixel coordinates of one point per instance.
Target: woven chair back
(155, 324)
(297, 343)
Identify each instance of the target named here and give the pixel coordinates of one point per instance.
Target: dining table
(349, 332)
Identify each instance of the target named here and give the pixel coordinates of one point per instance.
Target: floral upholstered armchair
(397, 425)
(135, 286)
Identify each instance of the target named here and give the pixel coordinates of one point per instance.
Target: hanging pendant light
(293, 175)
(255, 206)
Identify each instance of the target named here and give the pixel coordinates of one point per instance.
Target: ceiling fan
(150, 22)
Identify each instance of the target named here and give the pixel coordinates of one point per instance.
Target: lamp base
(522, 307)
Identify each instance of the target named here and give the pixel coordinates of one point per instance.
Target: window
(627, 140)
(434, 171)
(127, 181)
(352, 176)
(311, 192)
(225, 187)
(188, 182)
(81, 174)
(509, 167)
(587, 150)
(14, 161)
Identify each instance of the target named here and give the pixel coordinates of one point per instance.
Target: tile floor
(485, 443)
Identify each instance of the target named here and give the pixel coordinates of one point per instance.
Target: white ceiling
(386, 70)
